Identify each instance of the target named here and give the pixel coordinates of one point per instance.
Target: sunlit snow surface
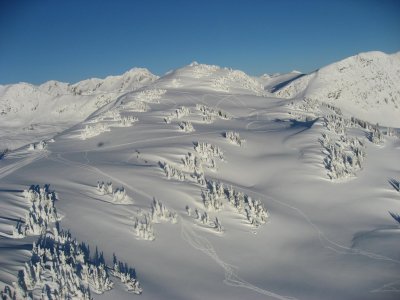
(211, 188)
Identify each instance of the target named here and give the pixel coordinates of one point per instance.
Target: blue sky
(72, 40)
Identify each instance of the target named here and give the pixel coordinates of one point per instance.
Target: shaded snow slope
(365, 86)
(39, 111)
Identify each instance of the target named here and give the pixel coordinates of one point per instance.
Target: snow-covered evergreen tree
(41, 212)
(127, 275)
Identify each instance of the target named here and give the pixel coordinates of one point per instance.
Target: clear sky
(72, 40)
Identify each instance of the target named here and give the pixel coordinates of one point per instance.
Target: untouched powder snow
(29, 113)
(365, 86)
(197, 187)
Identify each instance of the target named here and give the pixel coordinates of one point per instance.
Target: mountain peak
(364, 85)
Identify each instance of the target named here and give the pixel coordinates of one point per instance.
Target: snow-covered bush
(105, 188)
(172, 172)
(38, 146)
(210, 114)
(192, 163)
(186, 126)
(208, 153)
(233, 137)
(127, 121)
(204, 219)
(177, 114)
(120, 196)
(152, 95)
(160, 213)
(143, 227)
(42, 212)
(181, 112)
(94, 130)
(253, 210)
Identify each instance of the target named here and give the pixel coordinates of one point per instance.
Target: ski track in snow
(231, 278)
(201, 243)
(9, 169)
(188, 234)
(325, 241)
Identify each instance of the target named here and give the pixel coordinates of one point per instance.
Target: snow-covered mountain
(36, 111)
(201, 184)
(365, 86)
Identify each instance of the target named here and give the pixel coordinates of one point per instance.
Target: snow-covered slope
(365, 86)
(273, 82)
(202, 185)
(35, 112)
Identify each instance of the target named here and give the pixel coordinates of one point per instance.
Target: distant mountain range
(365, 86)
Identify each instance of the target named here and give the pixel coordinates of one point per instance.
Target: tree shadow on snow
(395, 184)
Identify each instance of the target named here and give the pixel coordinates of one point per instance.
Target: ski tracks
(7, 170)
(231, 278)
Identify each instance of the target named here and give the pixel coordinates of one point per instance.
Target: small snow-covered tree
(160, 212)
(233, 138)
(143, 228)
(186, 126)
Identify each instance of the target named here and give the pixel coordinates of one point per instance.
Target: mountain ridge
(364, 85)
